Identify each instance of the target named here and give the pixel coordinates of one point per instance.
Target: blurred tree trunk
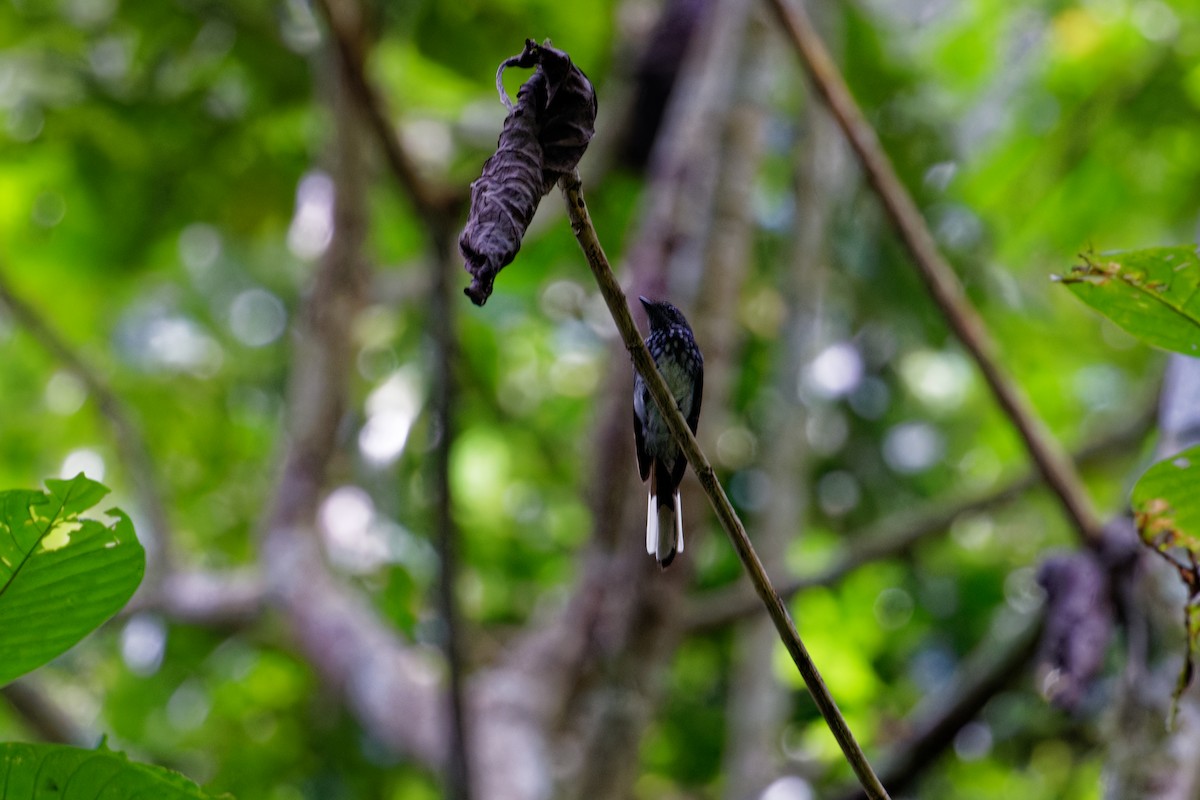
(758, 704)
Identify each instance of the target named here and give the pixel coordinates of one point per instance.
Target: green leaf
(53, 771)
(1166, 507)
(61, 575)
(1153, 294)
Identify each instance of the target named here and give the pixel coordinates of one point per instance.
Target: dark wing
(643, 458)
(693, 417)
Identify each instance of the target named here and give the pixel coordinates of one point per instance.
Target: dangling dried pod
(1079, 621)
(544, 136)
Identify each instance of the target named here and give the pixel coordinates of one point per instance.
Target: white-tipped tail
(678, 523)
(664, 530)
(651, 526)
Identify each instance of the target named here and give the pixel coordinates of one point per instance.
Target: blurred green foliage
(160, 204)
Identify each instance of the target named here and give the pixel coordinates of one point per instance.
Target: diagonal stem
(939, 277)
(585, 234)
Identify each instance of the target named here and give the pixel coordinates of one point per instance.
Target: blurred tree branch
(232, 598)
(757, 704)
(996, 663)
(31, 702)
(516, 702)
(433, 204)
(898, 533)
(445, 394)
(939, 277)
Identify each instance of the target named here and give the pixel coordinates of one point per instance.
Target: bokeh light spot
(392, 409)
(973, 741)
(893, 608)
(938, 379)
(143, 643)
(835, 372)
(788, 787)
(257, 317)
(838, 493)
(84, 460)
(912, 447)
(312, 224)
(65, 393)
(351, 540)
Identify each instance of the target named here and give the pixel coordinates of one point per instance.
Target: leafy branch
(1167, 513)
(585, 234)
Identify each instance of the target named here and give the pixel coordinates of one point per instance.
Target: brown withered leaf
(544, 136)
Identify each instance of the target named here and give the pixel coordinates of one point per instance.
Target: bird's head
(663, 315)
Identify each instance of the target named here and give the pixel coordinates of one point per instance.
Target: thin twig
(432, 203)
(44, 715)
(585, 233)
(899, 533)
(128, 439)
(444, 400)
(939, 277)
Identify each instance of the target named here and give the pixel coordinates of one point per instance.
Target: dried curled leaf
(503, 200)
(544, 136)
(1078, 625)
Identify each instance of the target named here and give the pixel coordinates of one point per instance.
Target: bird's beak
(646, 303)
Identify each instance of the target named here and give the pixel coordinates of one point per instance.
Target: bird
(660, 460)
